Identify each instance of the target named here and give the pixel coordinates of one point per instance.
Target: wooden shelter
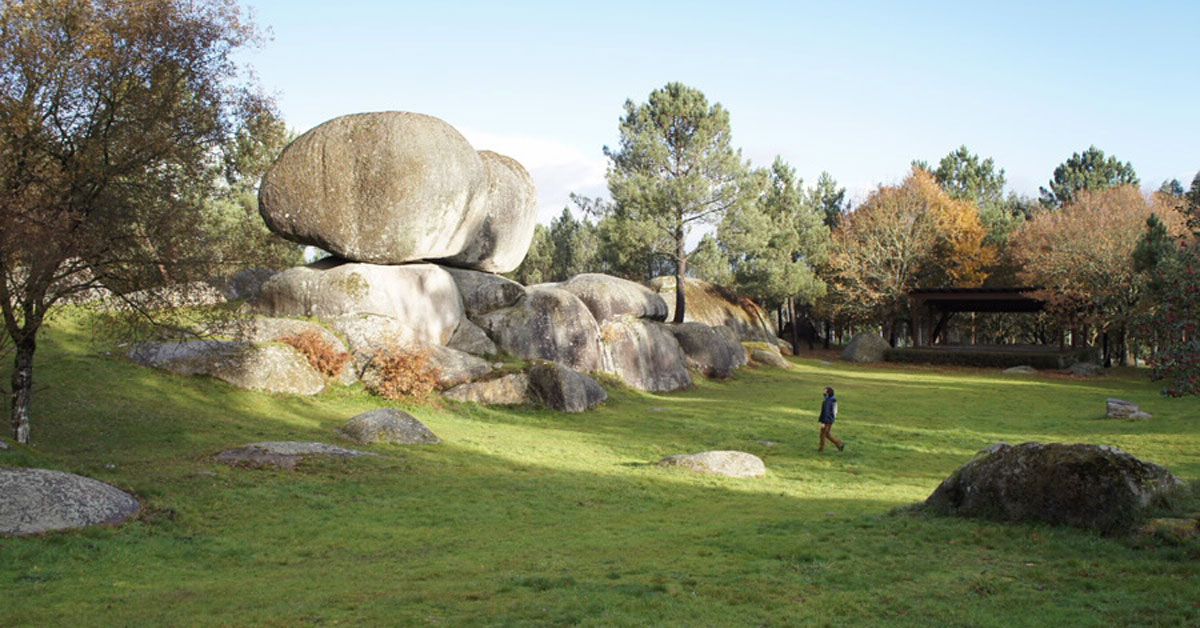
(932, 308)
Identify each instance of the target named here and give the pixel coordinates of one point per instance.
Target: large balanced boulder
(644, 355)
(273, 368)
(609, 297)
(484, 292)
(1086, 486)
(509, 390)
(866, 347)
(388, 425)
(500, 239)
(560, 388)
(395, 187)
(33, 501)
(713, 305)
(547, 324)
(422, 298)
(733, 464)
(714, 351)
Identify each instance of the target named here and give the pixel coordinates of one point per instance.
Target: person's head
(828, 391)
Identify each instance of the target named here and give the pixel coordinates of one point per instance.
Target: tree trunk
(795, 327)
(828, 332)
(680, 270)
(21, 396)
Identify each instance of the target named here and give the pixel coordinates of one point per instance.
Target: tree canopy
(113, 118)
(675, 168)
(1090, 170)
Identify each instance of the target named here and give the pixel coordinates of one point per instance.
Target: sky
(858, 89)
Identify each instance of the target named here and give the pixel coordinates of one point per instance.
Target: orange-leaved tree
(904, 237)
(1082, 255)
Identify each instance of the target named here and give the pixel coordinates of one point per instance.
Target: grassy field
(529, 517)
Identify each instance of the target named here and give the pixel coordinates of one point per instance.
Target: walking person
(829, 410)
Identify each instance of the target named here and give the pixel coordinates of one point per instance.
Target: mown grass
(529, 517)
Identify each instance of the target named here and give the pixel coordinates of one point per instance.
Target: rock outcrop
(1086, 486)
(422, 299)
(470, 338)
(387, 425)
(644, 354)
(733, 464)
(770, 358)
(713, 305)
(608, 297)
(562, 389)
(714, 351)
(483, 293)
(39, 500)
(547, 324)
(273, 368)
(395, 187)
(509, 390)
(866, 347)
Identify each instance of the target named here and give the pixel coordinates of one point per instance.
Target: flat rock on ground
(1085, 369)
(733, 464)
(388, 425)
(1121, 409)
(283, 454)
(33, 501)
(1086, 486)
(1020, 370)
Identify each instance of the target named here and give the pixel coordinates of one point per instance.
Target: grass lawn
(529, 517)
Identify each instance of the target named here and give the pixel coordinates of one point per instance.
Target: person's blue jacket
(828, 410)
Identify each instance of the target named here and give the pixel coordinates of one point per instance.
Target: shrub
(322, 355)
(1049, 359)
(402, 372)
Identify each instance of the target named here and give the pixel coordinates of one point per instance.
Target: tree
(111, 113)
(1172, 188)
(1083, 256)
(1089, 171)
(829, 199)
(575, 246)
(965, 177)
(904, 237)
(710, 261)
(776, 242)
(1191, 207)
(675, 168)
(538, 265)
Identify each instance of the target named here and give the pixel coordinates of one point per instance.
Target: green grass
(529, 517)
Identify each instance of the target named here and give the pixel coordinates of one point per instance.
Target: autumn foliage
(904, 237)
(401, 372)
(322, 355)
(1082, 255)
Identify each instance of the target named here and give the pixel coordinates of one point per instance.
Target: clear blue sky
(858, 89)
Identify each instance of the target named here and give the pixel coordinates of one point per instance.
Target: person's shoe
(841, 447)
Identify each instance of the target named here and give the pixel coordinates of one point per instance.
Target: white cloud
(557, 169)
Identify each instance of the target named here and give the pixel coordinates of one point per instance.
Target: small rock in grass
(40, 500)
(733, 464)
(1121, 409)
(770, 358)
(1085, 369)
(388, 425)
(1024, 369)
(282, 454)
(3, 445)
